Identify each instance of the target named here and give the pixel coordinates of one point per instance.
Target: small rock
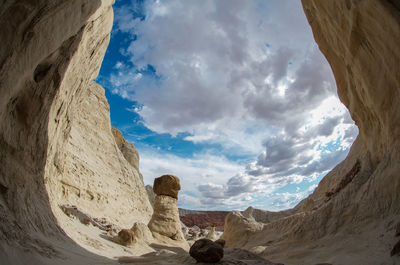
(168, 185)
(126, 237)
(220, 242)
(396, 249)
(85, 221)
(142, 232)
(205, 250)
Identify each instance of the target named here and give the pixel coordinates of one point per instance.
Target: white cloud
(248, 77)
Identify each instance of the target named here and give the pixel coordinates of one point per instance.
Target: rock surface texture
(55, 132)
(351, 216)
(165, 220)
(168, 185)
(205, 250)
(203, 219)
(57, 147)
(128, 150)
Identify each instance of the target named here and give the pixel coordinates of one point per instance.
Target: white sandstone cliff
(351, 216)
(55, 133)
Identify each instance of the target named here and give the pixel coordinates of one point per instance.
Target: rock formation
(165, 220)
(205, 250)
(57, 147)
(128, 150)
(55, 133)
(212, 234)
(167, 185)
(142, 233)
(203, 219)
(126, 237)
(150, 194)
(350, 218)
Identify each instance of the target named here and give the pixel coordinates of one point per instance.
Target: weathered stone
(150, 194)
(205, 250)
(126, 237)
(168, 185)
(142, 233)
(127, 149)
(165, 220)
(211, 234)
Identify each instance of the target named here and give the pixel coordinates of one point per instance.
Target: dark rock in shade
(396, 249)
(126, 237)
(205, 250)
(220, 242)
(168, 185)
(398, 230)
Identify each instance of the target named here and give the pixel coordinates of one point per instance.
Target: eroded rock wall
(55, 133)
(351, 216)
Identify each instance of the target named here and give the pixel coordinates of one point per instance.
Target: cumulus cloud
(248, 77)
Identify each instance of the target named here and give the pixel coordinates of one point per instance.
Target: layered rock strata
(165, 219)
(350, 218)
(50, 54)
(55, 134)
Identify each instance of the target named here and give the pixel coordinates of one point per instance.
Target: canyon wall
(55, 133)
(57, 147)
(351, 216)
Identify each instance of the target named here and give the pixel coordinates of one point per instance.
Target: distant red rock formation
(205, 219)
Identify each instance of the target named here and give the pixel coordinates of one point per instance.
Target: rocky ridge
(203, 219)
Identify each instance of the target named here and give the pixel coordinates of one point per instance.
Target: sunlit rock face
(55, 133)
(350, 218)
(57, 146)
(128, 150)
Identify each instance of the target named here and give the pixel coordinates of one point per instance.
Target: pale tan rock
(356, 202)
(165, 220)
(212, 234)
(128, 150)
(150, 194)
(57, 146)
(55, 134)
(142, 233)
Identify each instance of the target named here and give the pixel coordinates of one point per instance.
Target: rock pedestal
(165, 220)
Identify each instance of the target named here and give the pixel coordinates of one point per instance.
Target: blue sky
(233, 97)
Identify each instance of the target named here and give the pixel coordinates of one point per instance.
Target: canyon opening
(227, 104)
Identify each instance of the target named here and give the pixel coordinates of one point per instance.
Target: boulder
(142, 233)
(205, 250)
(126, 237)
(167, 185)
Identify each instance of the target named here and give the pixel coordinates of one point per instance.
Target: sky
(233, 97)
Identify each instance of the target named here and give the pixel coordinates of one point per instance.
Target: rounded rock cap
(168, 185)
